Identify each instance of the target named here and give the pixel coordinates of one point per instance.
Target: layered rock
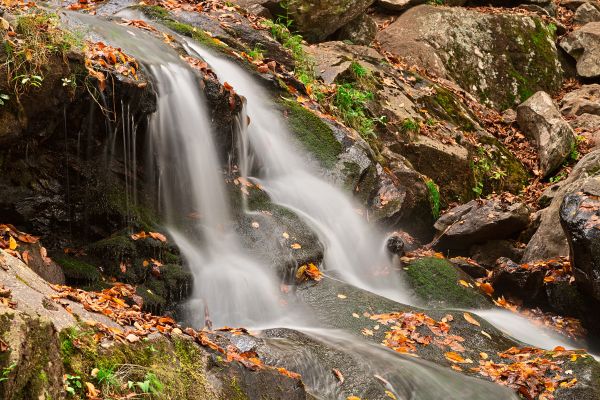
(501, 58)
(539, 118)
(479, 221)
(583, 45)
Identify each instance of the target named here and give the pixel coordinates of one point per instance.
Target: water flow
(352, 247)
(229, 287)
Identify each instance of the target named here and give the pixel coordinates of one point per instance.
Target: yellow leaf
(487, 335)
(464, 283)
(342, 296)
(295, 246)
(12, 243)
(352, 398)
(470, 319)
(456, 358)
(390, 395)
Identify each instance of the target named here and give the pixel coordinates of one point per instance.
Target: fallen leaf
(295, 246)
(12, 243)
(338, 375)
(470, 319)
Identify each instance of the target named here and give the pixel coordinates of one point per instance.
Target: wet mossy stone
(152, 302)
(77, 271)
(313, 133)
(436, 282)
(114, 248)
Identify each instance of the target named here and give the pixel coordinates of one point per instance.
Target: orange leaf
(470, 319)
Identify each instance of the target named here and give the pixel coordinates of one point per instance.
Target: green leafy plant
(410, 125)
(73, 384)
(358, 69)
(6, 372)
(434, 198)
(150, 385)
(350, 102)
(106, 376)
(256, 53)
(558, 177)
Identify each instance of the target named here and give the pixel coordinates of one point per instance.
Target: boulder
(479, 221)
(487, 253)
(573, 5)
(547, 5)
(512, 280)
(470, 267)
(583, 45)
(588, 126)
(586, 13)
(399, 5)
(318, 19)
(580, 219)
(548, 241)
(361, 30)
(501, 58)
(584, 100)
(539, 119)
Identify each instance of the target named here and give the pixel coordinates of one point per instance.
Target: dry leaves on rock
(101, 59)
(309, 271)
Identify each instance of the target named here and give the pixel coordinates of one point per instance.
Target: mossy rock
(445, 106)
(114, 248)
(436, 283)
(313, 133)
(77, 271)
(153, 302)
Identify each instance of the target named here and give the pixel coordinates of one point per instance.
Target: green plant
(73, 384)
(106, 376)
(6, 372)
(350, 103)
(358, 69)
(484, 168)
(558, 177)
(150, 385)
(29, 80)
(410, 125)
(256, 53)
(434, 198)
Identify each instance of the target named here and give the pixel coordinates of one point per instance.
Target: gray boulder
(500, 58)
(584, 100)
(539, 118)
(361, 30)
(479, 221)
(583, 45)
(586, 13)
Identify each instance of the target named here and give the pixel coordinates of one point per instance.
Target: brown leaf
(470, 319)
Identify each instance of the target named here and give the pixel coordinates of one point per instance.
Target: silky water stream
(231, 286)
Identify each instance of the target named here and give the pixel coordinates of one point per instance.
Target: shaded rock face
(502, 59)
(580, 219)
(511, 280)
(317, 19)
(361, 30)
(479, 221)
(548, 241)
(539, 118)
(583, 45)
(399, 5)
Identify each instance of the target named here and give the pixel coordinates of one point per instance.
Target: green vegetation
(77, 271)
(256, 53)
(485, 169)
(40, 38)
(558, 177)
(434, 198)
(350, 103)
(410, 125)
(73, 384)
(6, 372)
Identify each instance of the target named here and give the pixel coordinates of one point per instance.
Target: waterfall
(353, 248)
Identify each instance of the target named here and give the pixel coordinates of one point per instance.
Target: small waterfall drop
(352, 247)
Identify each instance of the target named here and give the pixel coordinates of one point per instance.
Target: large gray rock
(580, 219)
(548, 241)
(586, 13)
(539, 118)
(501, 58)
(584, 100)
(479, 221)
(399, 5)
(583, 45)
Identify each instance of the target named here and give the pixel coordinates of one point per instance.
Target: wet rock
(473, 48)
(585, 100)
(361, 30)
(512, 280)
(398, 5)
(487, 253)
(586, 13)
(580, 219)
(539, 118)
(548, 241)
(470, 267)
(583, 45)
(395, 245)
(479, 221)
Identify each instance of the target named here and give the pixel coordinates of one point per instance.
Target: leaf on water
(352, 398)
(295, 246)
(470, 319)
(255, 225)
(342, 296)
(338, 375)
(310, 271)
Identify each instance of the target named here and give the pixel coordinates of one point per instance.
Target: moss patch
(77, 271)
(436, 282)
(314, 134)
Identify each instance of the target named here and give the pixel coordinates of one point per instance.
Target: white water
(352, 247)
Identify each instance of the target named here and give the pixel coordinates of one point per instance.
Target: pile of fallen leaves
(101, 59)
(309, 271)
(11, 238)
(532, 372)
(408, 330)
(114, 303)
(6, 297)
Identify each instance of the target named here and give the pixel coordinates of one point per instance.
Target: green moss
(237, 392)
(153, 302)
(316, 136)
(436, 283)
(114, 248)
(445, 106)
(434, 198)
(77, 271)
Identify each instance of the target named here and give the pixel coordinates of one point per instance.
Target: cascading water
(233, 288)
(352, 247)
